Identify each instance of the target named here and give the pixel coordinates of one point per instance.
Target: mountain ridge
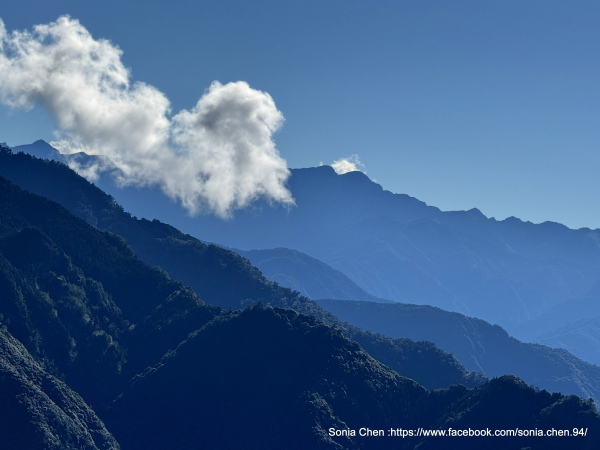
(305, 274)
(204, 347)
(221, 277)
(162, 245)
(399, 248)
(478, 345)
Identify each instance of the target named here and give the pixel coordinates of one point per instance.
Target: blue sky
(461, 104)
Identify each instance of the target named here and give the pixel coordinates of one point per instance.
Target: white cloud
(219, 156)
(350, 164)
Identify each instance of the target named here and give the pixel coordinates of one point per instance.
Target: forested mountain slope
(396, 247)
(81, 302)
(289, 268)
(342, 387)
(219, 276)
(38, 411)
(222, 278)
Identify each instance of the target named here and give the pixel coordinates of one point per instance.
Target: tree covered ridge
(40, 411)
(311, 376)
(219, 276)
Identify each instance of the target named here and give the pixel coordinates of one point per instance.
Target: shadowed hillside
(477, 344)
(223, 278)
(260, 371)
(219, 276)
(39, 411)
(396, 247)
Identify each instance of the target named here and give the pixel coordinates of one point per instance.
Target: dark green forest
(234, 282)
(125, 333)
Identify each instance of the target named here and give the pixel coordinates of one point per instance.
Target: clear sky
(462, 104)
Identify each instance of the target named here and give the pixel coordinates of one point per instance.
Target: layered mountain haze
(234, 283)
(87, 293)
(581, 338)
(220, 276)
(309, 276)
(477, 344)
(167, 281)
(530, 279)
(398, 248)
(289, 268)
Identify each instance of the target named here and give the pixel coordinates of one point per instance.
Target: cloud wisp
(350, 164)
(218, 156)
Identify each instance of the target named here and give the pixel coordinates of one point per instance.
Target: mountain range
(89, 304)
(533, 280)
(87, 322)
(478, 345)
(398, 248)
(219, 276)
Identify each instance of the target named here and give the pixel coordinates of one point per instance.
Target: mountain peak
(355, 175)
(322, 170)
(40, 149)
(476, 213)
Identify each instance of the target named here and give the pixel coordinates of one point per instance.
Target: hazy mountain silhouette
(219, 276)
(225, 378)
(289, 268)
(41, 149)
(223, 278)
(234, 373)
(581, 338)
(477, 344)
(305, 274)
(397, 247)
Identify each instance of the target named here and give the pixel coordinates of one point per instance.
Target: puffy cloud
(345, 165)
(218, 156)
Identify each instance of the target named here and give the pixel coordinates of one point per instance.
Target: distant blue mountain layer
(289, 268)
(181, 372)
(305, 274)
(396, 247)
(477, 344)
